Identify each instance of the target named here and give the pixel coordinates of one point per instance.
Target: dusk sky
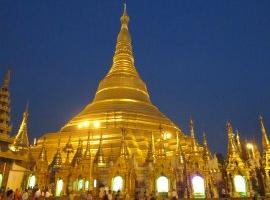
(205, 59)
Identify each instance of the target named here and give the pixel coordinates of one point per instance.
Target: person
(105, 197)
(110, 196)
(17, 194)
(25, 195)
(47, 194)
(174, 195)
(89, 195)
(223, 193)
(152, 196)
(37, 194)
(1, 195)
(10, 194)
(117, 196)
(101, 192)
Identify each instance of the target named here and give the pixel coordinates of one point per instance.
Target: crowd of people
(100, 194)
(26, 194)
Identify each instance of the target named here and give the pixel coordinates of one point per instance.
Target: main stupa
(121, 102)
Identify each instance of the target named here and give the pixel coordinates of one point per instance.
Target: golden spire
(123, 60)
(207, 153)
(78, 155)
(179, 152)
(87, 153)
(238, 141)
(57, 159)
(99, 158)
(21, 139)
(68, 149)
(265, 140)
(111, 158)
(162, 149)
(192, 134)
(124, 153)
(231, 143)
(151, 150)
(6, 80)
(43, 153)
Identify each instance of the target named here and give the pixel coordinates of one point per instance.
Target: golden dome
(122, 98)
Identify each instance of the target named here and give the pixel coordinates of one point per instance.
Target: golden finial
(191, 127)
(192, 134)
(87, 153)
(6, 80)
(231, 141)
(43, 152)
(229, 129)
(265, 140)
(207, 153)
(125, 18)
(151, 151)
(238, 142)
(205, 139)
(179, 152)
(125, 7)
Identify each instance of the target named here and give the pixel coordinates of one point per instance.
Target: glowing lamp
(80, 184)
(240, 184)
(1, 179)
(198, 186)
(162, 184)
(59, 187)
(95, 183)
(32, 181)
(86, 185)
(117, 183)
(85, 123)
(80, 125)
(249, 146)
(96, 124)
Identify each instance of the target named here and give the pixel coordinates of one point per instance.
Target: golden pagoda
(122, 122)
(121, 102)
(124, 143)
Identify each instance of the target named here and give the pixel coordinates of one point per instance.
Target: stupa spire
(57, 159)
(179, 152)
(192, 134)
(78, 155)
(99, 158)
(87, 153)
(21, 139)
(124, 153)
(151, 150)
(207, 153)
(123, 60)
(231, 143)
(43, 153)
(68, 149)
(238, 141)
(265, 139)
(6, 80)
